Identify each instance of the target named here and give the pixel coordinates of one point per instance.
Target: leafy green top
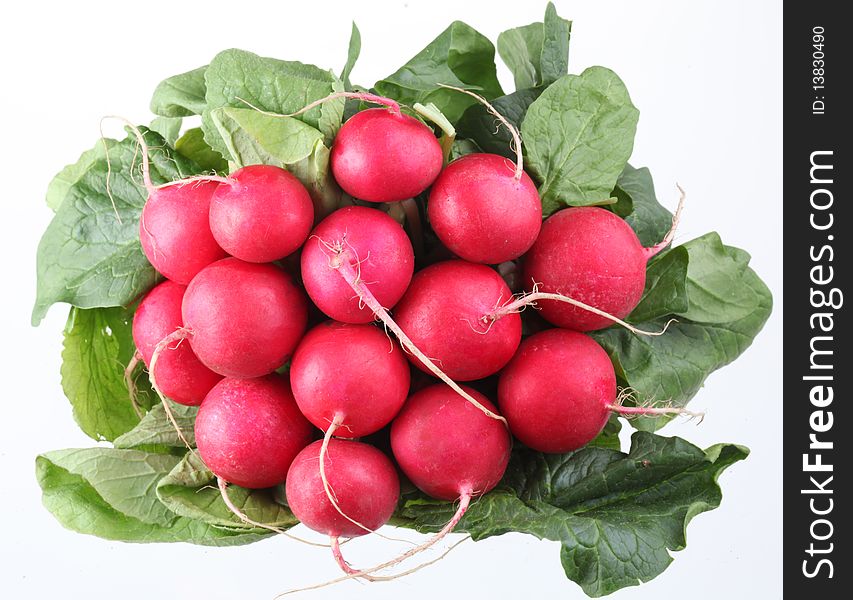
(616, 515)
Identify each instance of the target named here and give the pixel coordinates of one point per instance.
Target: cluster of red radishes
(230, 315)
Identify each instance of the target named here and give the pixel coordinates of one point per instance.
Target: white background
(707, 79)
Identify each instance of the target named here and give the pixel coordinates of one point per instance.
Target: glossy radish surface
(244, 319)
(249, 431)
(174, 230)
(372, 242)
(355, 371)
(446, 446)
(382, 155)
(264, 215)
(481, 212)
(442, 312)
(593, 256)
(361, 478)
(180, 375)
(557, 391)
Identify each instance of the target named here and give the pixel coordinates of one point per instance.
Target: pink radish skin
(442, 312)
(354, 371)
(244, 319)
(593, 256)
(180, 375)
(264, 215)
(446, 446)
(469, 203)
(249, 431)
(558, 391)
(373, 240)
(174, 230)
(382, 155)
(362, 478)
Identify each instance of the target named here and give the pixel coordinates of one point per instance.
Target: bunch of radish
(277, 326)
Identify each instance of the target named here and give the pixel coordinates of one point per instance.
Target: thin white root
(366, 97)
(513, 131)
(131, 384)
(196, 179)
(330, 494)
(377, 578)
(223, 491)
(176, 336)
(648, 408)
(670, 235)
(525, 300)
(146, 172)
(341, 263)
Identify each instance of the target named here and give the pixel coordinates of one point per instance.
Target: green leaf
(460, 56)
(254, 138)
(65, 180)
(648, 218)
(123, 478)
(618, 516)
(462, 147)
(97, 347)
(537, 54)
(181, 95)
(578, 135)
(236, 77)
(169, 128)
(192, 146)
(73, 482)
(666, 287)
(715, 283)
(479, 125)
(155, 429)
(672, 367)
(352, 56)
(555, 46)
(190, 490)
(521, 50)
(609, 436)
(90, 255)
(332, 115)
(314, 171)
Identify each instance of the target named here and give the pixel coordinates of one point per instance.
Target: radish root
(652, 251)
(375, 577)
(648, 409)
(340, 261)
(131, 384)
(529, 299)
(178, 336)
(513, 131)
(364, 96)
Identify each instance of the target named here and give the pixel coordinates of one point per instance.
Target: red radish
(264, 215)
(354, 373)
(447, 447)
(362, 479)
(373, 242)
(591, 256)
(249, 431)
(243, 319)
(482, 212)
(180, 375)
(443, 310)
(357, 262)
(382, 155)
(558, 391)
(174, 230)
